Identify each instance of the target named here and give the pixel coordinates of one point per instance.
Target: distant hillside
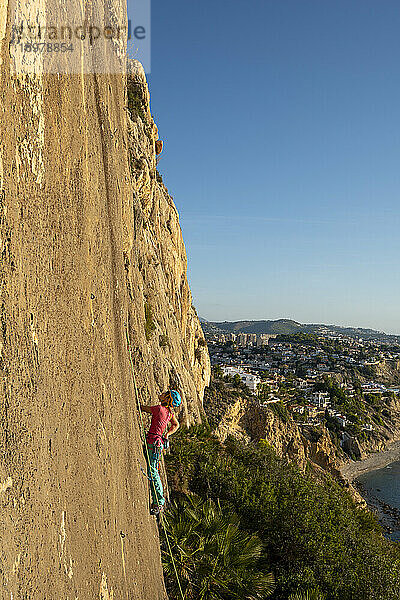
(281, 326)
(288, 327)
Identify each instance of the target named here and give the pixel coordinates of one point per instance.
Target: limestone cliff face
(388, 371)
(90, 243)
(383, 434)
(245, 419)
(172, 351)
(237, 414)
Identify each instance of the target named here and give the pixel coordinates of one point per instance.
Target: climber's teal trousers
(157, 492)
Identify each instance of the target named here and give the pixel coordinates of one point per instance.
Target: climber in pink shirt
(163, 424)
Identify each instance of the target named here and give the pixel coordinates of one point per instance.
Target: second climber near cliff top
(163, 424)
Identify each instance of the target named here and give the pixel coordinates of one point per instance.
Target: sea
(381, 490)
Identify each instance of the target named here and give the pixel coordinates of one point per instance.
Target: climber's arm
(146, 409)
(174, 426)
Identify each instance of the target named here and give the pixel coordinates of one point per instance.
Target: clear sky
(281, 122)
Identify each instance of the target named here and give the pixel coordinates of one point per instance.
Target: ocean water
(380, 486)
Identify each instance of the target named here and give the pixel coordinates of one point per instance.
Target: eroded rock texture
(90, 243)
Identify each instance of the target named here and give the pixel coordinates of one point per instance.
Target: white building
(320, 399)
(242, 339)
(250, 380)
(298, 408)
(251, 338)
(262, 340)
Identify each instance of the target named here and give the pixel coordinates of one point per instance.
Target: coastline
(353, 469)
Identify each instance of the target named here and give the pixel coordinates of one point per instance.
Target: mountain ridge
(289, 327)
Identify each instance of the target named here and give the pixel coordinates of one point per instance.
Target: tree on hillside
(217, 372)
(214, 558)
(314, 594)
(237, 382)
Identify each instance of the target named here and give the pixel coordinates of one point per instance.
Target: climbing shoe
(156, 509)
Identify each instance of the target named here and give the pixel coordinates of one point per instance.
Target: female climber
(163, 424)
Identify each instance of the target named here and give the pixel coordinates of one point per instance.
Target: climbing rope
(162, 518)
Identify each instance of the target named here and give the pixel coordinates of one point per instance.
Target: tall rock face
(91, 247)
(171, 346)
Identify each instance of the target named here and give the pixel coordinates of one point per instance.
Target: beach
(378, 460)
(369, 478)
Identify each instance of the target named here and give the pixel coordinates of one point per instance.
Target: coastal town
(346, 383)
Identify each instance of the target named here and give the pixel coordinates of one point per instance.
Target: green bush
(280, 410)
(149, 325)
(312, 532)
(214, 558)
(164, 341)
(136, 104)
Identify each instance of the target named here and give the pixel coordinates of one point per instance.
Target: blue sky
(281, 123)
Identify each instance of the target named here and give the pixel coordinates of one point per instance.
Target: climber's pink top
(161, 416)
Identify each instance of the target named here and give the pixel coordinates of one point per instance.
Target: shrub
(149, 325)
(214, 558)
(280, 410)
(314, 594)
(164, 341)
(136, 104)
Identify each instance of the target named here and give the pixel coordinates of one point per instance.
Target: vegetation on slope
(215, 558)
(311, 534)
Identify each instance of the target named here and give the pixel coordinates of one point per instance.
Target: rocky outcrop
(282, 434)
(243, 417)
(91, 245)
(387, 371)
(231, 412)
(383, 434)
(320, 450)
(238, 415)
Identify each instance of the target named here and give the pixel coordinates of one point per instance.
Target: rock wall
(239, 414)
(246, 420)
(90, 244)
(383, 434)
(388, 372)
(170, 341)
